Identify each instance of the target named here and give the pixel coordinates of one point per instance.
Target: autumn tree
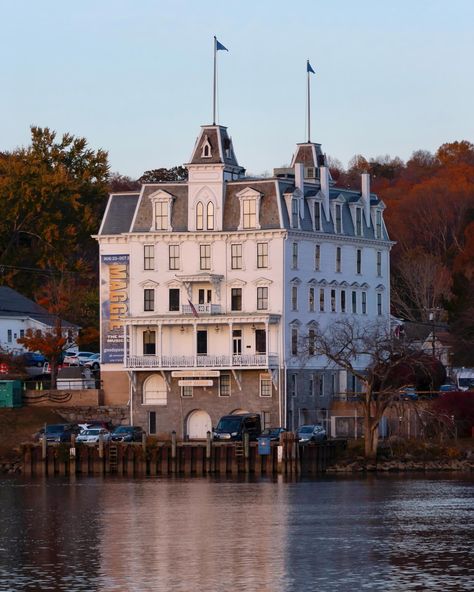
(52, 195)
(380, 361)
(177, 173)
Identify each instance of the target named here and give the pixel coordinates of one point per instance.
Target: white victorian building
(208, 285)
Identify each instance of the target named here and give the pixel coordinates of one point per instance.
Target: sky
(135, 77)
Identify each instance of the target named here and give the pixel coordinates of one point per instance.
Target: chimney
(365, 180)
(324, 180)
(299, 176)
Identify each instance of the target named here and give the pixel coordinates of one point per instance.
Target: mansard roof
(143, 219)
(119, 213)
(219, 144)
(309, 154)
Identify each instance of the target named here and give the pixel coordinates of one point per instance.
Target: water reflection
(379, 533)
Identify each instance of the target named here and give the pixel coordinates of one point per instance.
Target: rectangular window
(311, 341)
(338, 219)
(343, 301)
(294, 342)
(321, 299)
(320, 384)
(149, 299)
(173, 251)
(354, 302)
(237, 342)
(204, 256)
(224, 385)
(266, 416)
(338, 259)
(311, 300)
(293, 385)
(236, 299)
(317, 215)
(265, 385)
(295, 213)
(249, 213)
(161, 215)
(201, 343)
(364, 302)
(9, 335)
(294, 297)
(359, 261)
(262, 298)
(333, 300)
(204, 296)
(379, 263)
(149, 343)
(379, 304)
(294, 255)
(148, 257)
(22, 333)
(262, 255)
(236, 256)
(358, 221)
(378, 224)
(186, 391)
(152, 422)
(173, 303)
(317, 257)
(311, 386)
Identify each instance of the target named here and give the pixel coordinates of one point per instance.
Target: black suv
(127, 434)
(233, 427)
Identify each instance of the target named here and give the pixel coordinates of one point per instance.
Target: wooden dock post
(208, 452)
(173, 452)
(246, 453)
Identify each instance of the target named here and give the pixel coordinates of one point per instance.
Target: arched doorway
(199, 423)
(154, 390)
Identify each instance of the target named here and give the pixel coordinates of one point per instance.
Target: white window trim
(261, 378)
(249, 194)
(162, 197)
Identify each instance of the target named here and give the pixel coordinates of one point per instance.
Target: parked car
(233, 427)
(127, 434)
(93, 362)
(311, 433)
(273, 433)
(77, 358)
(92, 436)
(97, 423)
(61, 432)
(33, 359)
(448, 388)
(408, 393)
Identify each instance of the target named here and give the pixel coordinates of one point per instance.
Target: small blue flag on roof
(309, 67)
(220, 46)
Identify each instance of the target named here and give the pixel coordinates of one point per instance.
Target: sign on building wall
(114, 279)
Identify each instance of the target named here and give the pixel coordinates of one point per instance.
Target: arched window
(154, 391)
(210, 216)
(199, 216)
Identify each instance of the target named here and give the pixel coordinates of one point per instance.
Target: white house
(18, 314)
(208, 285)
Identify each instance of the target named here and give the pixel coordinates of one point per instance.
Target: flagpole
(309, 105)
(215, 84)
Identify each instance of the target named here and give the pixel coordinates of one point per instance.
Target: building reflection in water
(194, 535)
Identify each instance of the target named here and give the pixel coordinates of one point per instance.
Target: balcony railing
(237, 361)
(209, 308)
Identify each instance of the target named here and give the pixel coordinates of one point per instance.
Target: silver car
(92, 435)
(311, 433)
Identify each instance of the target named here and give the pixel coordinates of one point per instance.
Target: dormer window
(249, 209)
(162, 202)
(358, 221)
(206, 151)
(338, 218)
(295, 212)
(317, 215)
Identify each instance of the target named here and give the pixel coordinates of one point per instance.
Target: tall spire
(217, 46)
(309, 70)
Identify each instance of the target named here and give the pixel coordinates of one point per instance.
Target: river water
(385, 533)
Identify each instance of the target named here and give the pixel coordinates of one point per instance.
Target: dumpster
(10, 393)
(263, 446)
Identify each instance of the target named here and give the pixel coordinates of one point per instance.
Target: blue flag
(220, 46)
(309, 68)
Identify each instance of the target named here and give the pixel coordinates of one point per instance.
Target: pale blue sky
(135, 78)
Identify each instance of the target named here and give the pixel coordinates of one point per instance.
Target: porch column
(195, 342)
(231, 351)
(160, 344)
(125, 353)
